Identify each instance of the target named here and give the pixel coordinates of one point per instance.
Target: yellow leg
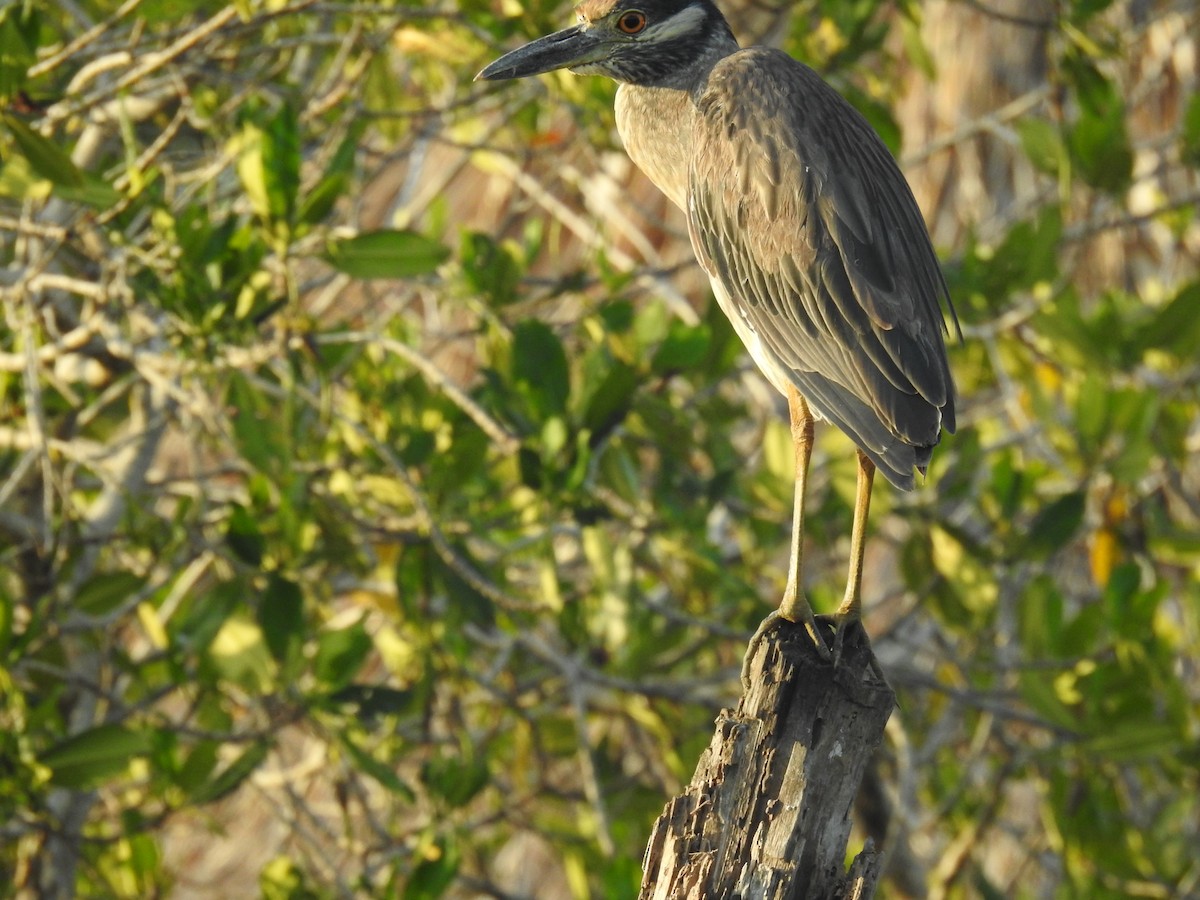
(794, 607)
(850, 610)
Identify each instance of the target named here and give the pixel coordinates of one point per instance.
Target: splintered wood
(767, 814)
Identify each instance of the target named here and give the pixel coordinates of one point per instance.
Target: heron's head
(647, 42)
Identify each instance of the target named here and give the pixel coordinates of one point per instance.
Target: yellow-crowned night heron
(816, 249)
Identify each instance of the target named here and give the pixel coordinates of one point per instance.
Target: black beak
(561, 50)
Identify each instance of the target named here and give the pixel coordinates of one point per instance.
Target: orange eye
(632, 22)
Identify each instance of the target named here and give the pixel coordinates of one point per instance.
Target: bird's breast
(656, 126)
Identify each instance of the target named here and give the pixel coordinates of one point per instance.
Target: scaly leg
(851, 609)
(794, 607)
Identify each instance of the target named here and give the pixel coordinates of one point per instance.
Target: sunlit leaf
(105, 591)
(386, 253)
(94, 755)
(229, 778)
(20, 25)
(239, 655)
(380, 772)
(1190, 134)
(1136, 740)
(1043, 144)
(320, 201)
(434, 873)
(340, 654)
(1175, 327)
(1040, 617)
(45, 157)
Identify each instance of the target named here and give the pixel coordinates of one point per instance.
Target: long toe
(844, 626)
(839, 638)
(773, 622)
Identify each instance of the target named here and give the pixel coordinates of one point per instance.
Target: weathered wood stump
(767, 814)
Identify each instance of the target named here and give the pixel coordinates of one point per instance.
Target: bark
(767, 814)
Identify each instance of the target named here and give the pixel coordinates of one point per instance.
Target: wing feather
(804, 222)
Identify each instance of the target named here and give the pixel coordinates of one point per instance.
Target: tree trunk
(767, 814)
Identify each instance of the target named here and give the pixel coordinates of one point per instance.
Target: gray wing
(799, 211)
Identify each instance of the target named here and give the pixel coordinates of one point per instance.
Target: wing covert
(821, 251)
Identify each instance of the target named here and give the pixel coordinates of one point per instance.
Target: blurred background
(385, 504)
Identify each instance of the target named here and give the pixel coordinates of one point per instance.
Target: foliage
(377, 519)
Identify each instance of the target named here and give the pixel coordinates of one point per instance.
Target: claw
(779, 619)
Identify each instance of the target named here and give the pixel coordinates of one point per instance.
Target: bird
(813, 243)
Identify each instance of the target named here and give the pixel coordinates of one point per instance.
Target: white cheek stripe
(683, 22)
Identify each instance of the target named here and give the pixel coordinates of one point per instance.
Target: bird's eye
(632, 22)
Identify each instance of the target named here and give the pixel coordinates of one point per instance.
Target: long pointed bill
(561, 50)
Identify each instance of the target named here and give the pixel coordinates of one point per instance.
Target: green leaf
(268, 163)
(611, 399)
(1082, 10)
(45, 157)
(491, 269)
(256, 426)
(93, 192)
(1137, 739)
(20, 26)
(1040, 617)
(1174, 327)
(340, 655)
(1100, 146)
(103, 593)
(373, 700)
(684, 347)
(1043, 144)
(466, 602)
(1027, 256)
(318, 203)
(232, 775)
(207, 615)
(1190, 133)
(617, 316)
(94, 755)
(282, 879)
(540, 366)
(1056, 524)
(239, 655)
(1098, 141)
(434, 874)
(281, 161)
(281, 617)
(386, 253)
(1039, 692)
(1093, 413)
(369, 765)
(456, 780)
(198, 766)
(243, 536)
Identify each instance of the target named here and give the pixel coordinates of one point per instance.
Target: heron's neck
(656, 126)
(655, 118)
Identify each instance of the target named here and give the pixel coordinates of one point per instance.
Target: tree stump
(767, 814)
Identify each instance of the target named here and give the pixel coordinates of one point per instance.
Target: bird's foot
(852, 624)
(839, 637)
(780, 618)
